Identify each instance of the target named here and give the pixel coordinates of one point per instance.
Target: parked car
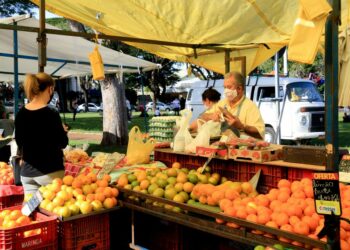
(160, 105)
(92, 107)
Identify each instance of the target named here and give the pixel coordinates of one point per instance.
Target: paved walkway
(77, 136)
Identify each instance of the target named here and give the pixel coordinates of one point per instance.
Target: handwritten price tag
(326, 193)
(344, 169)
(32, 204)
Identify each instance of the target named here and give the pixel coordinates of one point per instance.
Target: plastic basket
(90, 232)
(72, 169)
(11, 200)
(46, 237)
(296, 174)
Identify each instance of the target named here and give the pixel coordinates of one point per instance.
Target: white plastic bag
(213, 127)
(202, 139)
(183, 136)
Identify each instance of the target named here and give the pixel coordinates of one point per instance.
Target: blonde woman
(40, 134)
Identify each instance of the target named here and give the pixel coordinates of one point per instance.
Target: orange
(108, 177)
(77, 183)
(115, 192)
(297, 243)
(100, 197)
(108, 203)
(309, 210)
(122, 181)
(241, 213)
(210, 201)
(296, 186)
(68, 180)
(345, 225)
(301, 203)
(85, 207)
(283, 196)
(10, 224)
(90, 197)
(306, 182)
(203, 199)
(313, 224)
(275, 203)
(15, 214)
(309, 201)
(188, 187)
(49, 195)
(92, 176)
(342, 234)
(262, 200)
(57, 201)
(108, 192)
(262, 209)
(283, 183)
(176, 165)
(285, 189)
(344, 245)
(281, 219)
(115, 201)
(231, 224)
(247, 187)
(301, 228)
(299, 194)
(23, 220)
(230, 211)
(272, 195)
(252, 218)
(246, 200)
(293, 220)
(102, 183)
(287, 227)
(263, 218)
(237, 202)
(251, 208)
(218, 195)
(309, 192)
(224, 203)
(294, 210)
(57, 181)
(271, 224)
(231, 194)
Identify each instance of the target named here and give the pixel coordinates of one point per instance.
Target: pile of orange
(14, 218)
(82, 194)
(290, 207)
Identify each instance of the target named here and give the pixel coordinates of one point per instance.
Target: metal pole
(15, 68)
(277, 89)
(42, 38)
(285, 62)
(331, 90)
(227, 61)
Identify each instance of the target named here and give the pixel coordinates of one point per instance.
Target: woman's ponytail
(34, 84)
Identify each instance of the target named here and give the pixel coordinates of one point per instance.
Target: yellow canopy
(254, 29)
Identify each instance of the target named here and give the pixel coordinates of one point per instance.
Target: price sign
(344, 169)
(32, 204)
(109, 164)
(326, 193)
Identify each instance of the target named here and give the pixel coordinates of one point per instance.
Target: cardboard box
(208, 152)
(270, 154)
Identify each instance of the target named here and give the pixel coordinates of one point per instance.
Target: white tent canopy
(70, 53)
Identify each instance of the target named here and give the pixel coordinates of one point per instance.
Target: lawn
(92, 122)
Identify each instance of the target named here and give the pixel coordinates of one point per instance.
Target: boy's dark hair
(211, 94)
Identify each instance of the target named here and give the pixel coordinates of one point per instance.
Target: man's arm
(234, 121)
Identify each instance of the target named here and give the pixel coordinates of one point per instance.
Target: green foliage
(58, 22)
(296, 69)
(11, 7)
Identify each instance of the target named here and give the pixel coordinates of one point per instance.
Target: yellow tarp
(235, 24)
(254, 29)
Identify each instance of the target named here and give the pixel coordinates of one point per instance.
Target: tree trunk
(82, 83)
(115, 122)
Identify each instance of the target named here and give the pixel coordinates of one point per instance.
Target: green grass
(92, 122)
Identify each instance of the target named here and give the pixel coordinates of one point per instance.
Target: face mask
(230, 94)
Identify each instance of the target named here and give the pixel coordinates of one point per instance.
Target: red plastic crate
(72, 169)
(90, 232)
(14, 238)
(296, 174)
(11, 200)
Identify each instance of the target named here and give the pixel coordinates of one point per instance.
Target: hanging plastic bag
(202, 139)
(139, 148)
(183, 136)
(214, 127)
(96, 63)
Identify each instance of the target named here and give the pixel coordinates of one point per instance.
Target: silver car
(92, 107)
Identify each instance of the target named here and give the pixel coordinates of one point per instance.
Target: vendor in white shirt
(241, 113)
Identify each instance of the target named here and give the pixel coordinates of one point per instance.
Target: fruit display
(82, 194)
(14, 218)
(100, 159)
(6, 174)
(249, 143)
(185, 186)
(76, 155)
(274, 247)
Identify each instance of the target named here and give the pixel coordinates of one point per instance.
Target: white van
(303, 115)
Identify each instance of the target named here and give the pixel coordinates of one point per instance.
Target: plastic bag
(202, 139)
(214, 127)
(183, 136)
(139, 148)
(96, 63)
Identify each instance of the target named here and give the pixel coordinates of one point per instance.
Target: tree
(11, 7)
(115, 126)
